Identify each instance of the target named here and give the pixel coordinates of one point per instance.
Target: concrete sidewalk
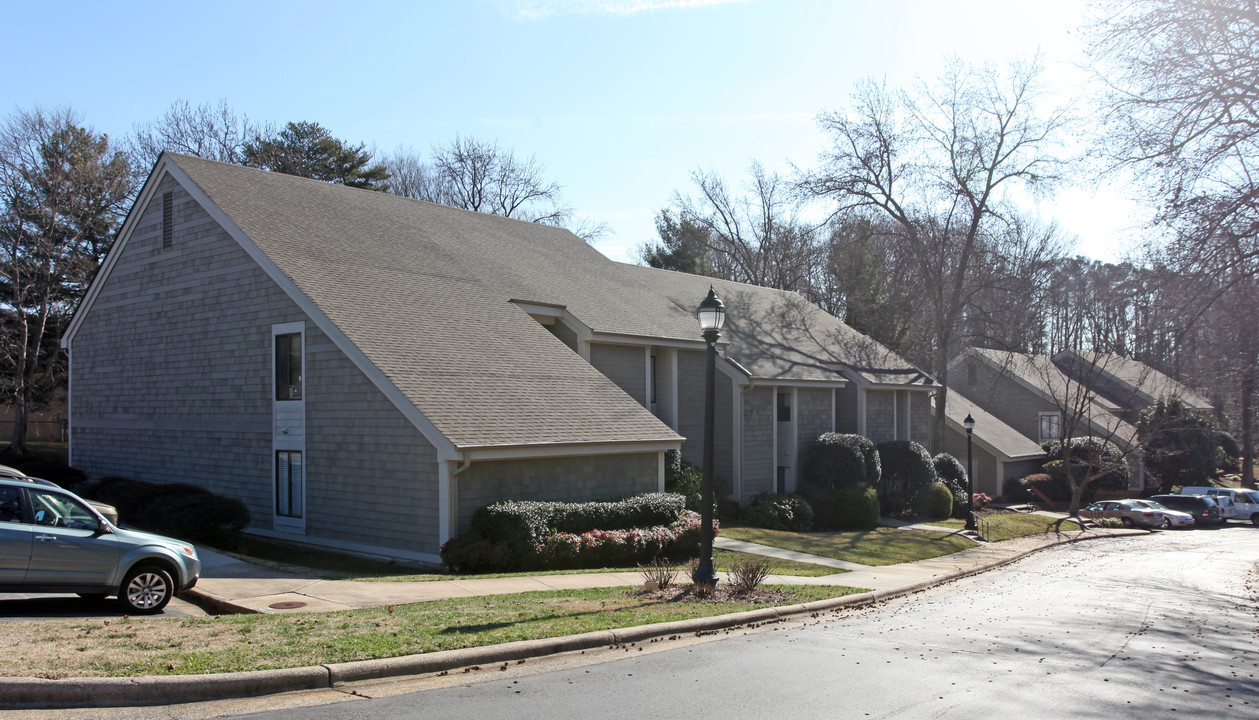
(232, 585)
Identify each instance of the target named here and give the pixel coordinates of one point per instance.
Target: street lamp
(969, 424)
(712, 314)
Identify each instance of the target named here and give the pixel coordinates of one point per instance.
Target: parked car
(109, 511)
(1205, 510)
(1173, 518)
(53, 541)
(1245, 503)
(1126, 511)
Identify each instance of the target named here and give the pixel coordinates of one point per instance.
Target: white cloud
(542, 9)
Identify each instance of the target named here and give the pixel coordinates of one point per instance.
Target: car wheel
(1254, 519)
(1127, 522)
(146, 590)
(1167, 523)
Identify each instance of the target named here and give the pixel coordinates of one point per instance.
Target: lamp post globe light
(969, 424)
(712, 315)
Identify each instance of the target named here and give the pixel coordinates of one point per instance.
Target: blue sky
(619, 99)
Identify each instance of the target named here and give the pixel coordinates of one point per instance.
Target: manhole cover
(287, 605)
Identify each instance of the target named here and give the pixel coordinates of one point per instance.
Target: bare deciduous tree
(754, 236)
(481, 176)
(1181, 98)
(63, 190)
(939, 162)
(211, 131)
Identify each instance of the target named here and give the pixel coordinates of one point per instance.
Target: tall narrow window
(1050, 426)
(784, 407)
(288, 483)
(653, 378)
(288, 366)
(168, 221)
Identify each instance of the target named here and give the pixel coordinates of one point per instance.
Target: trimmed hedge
(180, 510)
(840, 460)
(949, 471)
(55, 470)
(775, 511)
(907, 469)
(524, 535)
(845, 508)
(935, 501)
(529, 523)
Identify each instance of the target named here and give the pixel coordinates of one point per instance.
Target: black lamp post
(969, 424)
(712, 314)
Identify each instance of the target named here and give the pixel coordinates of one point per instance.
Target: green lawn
(1007, 526)
(881, 546)
(159, 646)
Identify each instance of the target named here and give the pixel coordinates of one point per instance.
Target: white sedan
(1171, 518)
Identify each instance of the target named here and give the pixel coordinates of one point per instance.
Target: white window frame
(286, 437)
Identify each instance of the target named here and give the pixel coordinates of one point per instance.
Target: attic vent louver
(168, 221)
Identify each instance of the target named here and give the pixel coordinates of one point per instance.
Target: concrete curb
(38, 693)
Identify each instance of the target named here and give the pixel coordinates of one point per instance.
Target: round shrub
(907, 469)
(949, 471)
(1229, 444)
(779, 512)
(839, 460)
(846, 508)
(935, 501)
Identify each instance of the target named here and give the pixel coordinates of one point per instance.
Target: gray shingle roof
(1148, 383)
(425, 292)
(1039, 373)
(989, 428)
(386, 271)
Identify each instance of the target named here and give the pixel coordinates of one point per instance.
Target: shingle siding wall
(880, 415)
(814, 418)
(172, 381)
(691, 418)
(758, 441)
(595, 477)
(364, 460)
(986, 480)
(920, 418)
(1008, 400)
(624, 365)
(846, 409)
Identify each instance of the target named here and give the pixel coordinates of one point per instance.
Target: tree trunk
(21, 414)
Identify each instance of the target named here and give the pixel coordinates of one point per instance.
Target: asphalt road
(1150, 627)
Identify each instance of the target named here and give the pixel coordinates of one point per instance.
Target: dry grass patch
(170, 646)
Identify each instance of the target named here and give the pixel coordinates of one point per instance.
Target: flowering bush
(597, 548)
(559, 549)
(981, 501)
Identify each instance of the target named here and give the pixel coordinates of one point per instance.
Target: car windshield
(1151, 504)
(1249, 496)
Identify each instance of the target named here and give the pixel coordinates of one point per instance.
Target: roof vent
(168, 221)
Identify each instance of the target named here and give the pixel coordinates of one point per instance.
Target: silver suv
(51, 540)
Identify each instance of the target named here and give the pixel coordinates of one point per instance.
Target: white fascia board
(120, 242)
(781, 382)
(733, 370)
(555, 450)
(649, 340)
(446, 450)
